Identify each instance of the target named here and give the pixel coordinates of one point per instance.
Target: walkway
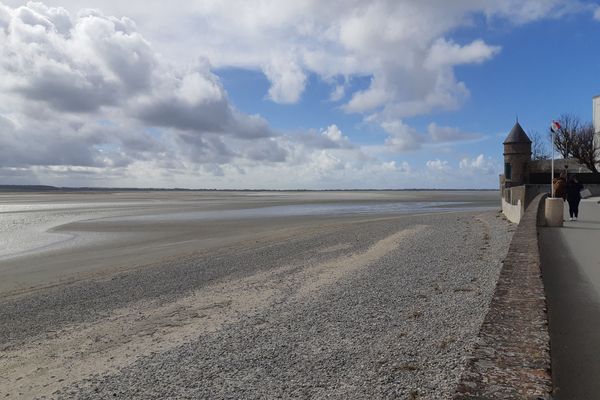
(570, 259)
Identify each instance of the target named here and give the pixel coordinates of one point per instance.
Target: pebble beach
(384, 305)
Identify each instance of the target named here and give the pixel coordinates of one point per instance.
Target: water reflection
(305, 209)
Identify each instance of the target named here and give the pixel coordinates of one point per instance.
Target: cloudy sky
(284, 94)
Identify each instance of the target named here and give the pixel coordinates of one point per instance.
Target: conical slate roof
(517, 135)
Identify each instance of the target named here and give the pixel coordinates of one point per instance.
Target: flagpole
(554, 210)
(552, 167)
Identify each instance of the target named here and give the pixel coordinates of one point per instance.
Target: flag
(555, 126)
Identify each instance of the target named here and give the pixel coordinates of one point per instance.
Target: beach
(244, 294)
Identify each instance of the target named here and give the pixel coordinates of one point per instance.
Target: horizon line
(106, 188)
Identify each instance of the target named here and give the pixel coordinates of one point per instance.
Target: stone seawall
(511, 358)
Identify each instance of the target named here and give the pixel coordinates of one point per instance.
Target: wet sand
(60, 237)
(343, 305)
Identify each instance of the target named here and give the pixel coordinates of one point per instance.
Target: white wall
(512, 213)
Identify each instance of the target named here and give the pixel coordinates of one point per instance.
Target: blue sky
(285, 95)
(544, 69)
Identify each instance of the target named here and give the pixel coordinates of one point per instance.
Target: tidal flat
(344, 294)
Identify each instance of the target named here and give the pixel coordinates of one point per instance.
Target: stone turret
(517, 155)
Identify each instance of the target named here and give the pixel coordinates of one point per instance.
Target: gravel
(398, 328)
(27, 317)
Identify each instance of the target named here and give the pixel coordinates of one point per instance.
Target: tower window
(507, 171)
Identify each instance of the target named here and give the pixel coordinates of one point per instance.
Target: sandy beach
(244, 294)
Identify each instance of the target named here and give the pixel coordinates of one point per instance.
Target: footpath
(570, 259)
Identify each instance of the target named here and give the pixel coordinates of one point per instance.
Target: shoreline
(114, 231)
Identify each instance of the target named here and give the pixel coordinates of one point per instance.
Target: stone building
(524, 178)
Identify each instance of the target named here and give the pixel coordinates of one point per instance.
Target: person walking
(574, 188)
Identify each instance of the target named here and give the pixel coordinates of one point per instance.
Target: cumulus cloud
(388, 40)
(109, 101)
(87, 86)
(328, 138)
(401, 136)
(447, 53)
(401, 44)
(74, 141)
(108, 108)
(437, 165)
(480, 165)
(287, 80)
(97, 61)
(72, 66)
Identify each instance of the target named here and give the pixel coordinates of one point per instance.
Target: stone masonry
(511, 358)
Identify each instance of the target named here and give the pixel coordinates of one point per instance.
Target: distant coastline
(47, 188)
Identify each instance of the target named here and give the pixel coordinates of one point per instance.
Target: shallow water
(31, 223)
(301, 210)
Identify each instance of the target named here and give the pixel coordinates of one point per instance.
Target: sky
(269, 94)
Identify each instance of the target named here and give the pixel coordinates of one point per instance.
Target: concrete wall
(534, 190)
(512, 212)
(594, 188)
(574, 166)
(514, 203)
(516, 199)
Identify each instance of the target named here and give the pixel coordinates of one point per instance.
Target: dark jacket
(574, 190)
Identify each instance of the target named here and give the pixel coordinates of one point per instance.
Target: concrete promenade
(570, 259)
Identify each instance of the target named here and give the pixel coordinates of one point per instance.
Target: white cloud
(437, 165)
(479, 165)
(198, 88)
(287, 80)
(334, 133)
(329, 138)
(403, 137)
(113, 100)
(88, 87)
(388, 40)
(447, 53)
(597, 13)
(521, 12)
